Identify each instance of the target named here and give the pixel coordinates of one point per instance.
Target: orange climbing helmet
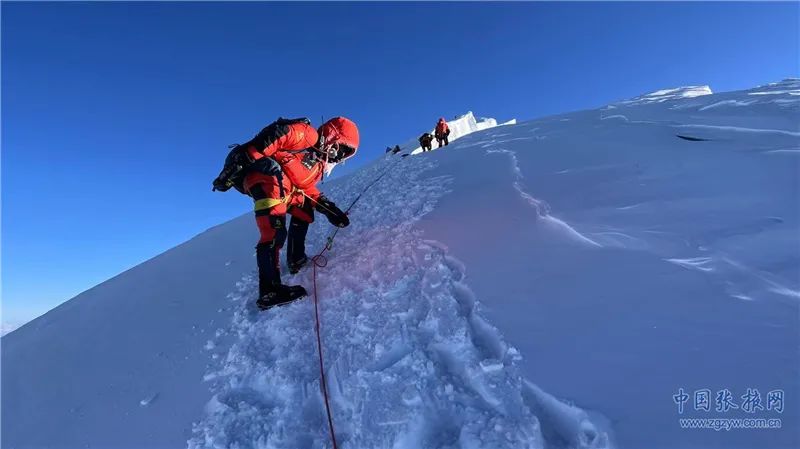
(339, 138)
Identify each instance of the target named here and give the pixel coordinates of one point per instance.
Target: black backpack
(238, 164)
(265, 136)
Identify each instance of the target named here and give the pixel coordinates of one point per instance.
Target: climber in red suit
(280, 168)
(442, 132)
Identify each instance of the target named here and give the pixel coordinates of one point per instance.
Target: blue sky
(116, 116)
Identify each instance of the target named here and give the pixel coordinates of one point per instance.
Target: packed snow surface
(551, 284)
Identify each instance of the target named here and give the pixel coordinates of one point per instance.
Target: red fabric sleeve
(312, 192)
(293, 137)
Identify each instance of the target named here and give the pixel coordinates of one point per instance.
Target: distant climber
(426, 142)
(388, 150)
(442, 132)
(396, 149)
(279, 168)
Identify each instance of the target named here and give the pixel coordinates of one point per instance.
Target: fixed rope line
(320, 261)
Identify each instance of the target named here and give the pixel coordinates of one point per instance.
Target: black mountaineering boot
(271, 291)
(281, 295)
(296, 251)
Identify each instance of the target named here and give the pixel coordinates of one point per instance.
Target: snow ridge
(541, 207)
(691, 204)
(663, 95)
(411, 362)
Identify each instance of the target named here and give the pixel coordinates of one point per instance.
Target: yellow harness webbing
(268, 203)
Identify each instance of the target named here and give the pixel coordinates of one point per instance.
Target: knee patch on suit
(272, 229)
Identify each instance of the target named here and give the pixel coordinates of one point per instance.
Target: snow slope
(7, 327)
(548, 284)
(414, 364)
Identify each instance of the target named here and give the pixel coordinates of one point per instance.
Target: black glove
(331, 212)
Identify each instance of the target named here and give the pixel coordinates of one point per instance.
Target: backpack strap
(274, 131)
(290, 121)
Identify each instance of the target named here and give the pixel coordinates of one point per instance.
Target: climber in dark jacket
(426, 142)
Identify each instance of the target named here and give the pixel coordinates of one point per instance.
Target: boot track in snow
(409, 359)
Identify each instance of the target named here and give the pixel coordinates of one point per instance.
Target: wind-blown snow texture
(594, 257)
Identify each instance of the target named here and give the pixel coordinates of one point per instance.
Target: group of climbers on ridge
(441, 133)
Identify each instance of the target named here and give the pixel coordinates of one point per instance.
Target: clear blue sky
(116, 116)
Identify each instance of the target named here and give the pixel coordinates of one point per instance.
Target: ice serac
(549, 284)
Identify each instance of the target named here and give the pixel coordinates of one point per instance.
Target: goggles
(339, 152)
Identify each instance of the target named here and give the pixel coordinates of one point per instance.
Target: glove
(331, 212)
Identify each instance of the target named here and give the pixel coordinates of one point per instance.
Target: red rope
(320, 261)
